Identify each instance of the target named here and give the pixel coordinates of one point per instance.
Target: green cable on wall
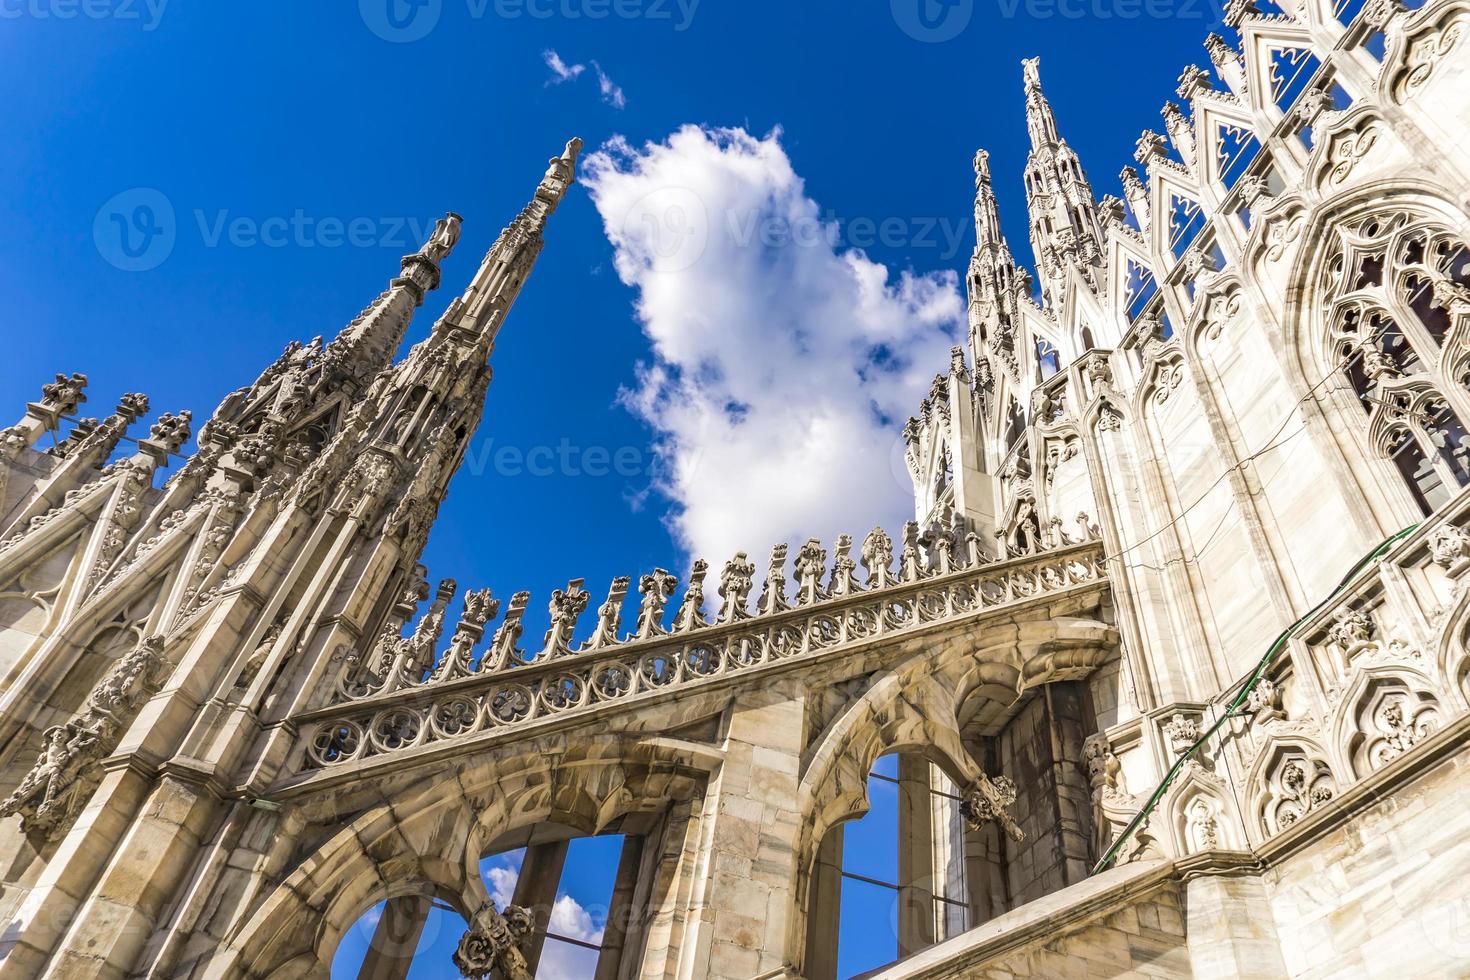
(1251, 682)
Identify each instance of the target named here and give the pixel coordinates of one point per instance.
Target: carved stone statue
(657, 588)
(811, 565)
(445, 237)
(565, 607)
(736, 581)
(773, 594)
(878, 558)
(691, 611)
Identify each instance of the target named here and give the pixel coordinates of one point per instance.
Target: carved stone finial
(610, 615)
(1031, 72)
(561, 173)
(1236, 11)
(691, 611)
(982, 167)
(656, 588)
(1151, 146)
(811, 565)
(565, 606)
(736, 581)
(878, 558)
(1221, 53)
(773, 593)
(1192, 81)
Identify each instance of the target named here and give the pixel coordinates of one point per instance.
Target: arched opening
(892, 882)
(578, 890)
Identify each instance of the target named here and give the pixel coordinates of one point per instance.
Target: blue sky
(271, 129)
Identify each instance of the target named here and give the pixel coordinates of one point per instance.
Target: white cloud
(570, 919)
(560, 70)
(612, 92)
(502, 885)
(783, 365)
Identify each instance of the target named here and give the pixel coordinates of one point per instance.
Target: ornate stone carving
(773, 593)
(1426, 51)
(496, 944)
(990, 801)
(1296, 786)
(1352, 631)
(844, 569)
(691, 611)
(736, 581)
(878, 558)
(1264, 702)
(609, 616)
(811, 565)
(1181, 731)
(656, 588)
(56, 787)
(565, 607)
(1449, 548)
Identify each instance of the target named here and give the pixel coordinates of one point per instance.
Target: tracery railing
(457, 698)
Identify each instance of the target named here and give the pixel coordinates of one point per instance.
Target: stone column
(390, 953)
(824, 909)
(1231, 930)
(985, 874)
(536, 890)
(741, 912)
(915, 856)
(621, 910)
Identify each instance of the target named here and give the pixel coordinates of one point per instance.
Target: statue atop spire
(561, 174)
(982, 167)
(446, 235)
(1031, 71)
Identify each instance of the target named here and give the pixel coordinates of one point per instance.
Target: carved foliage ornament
(1426, 51)
(990, 801)
(1297, 785)
(495, 944)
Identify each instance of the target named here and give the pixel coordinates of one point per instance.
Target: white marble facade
(235, 715)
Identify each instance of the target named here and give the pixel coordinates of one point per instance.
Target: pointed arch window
(1398, 324)
(1291, 71)
(1236, 148)
(1139, 287)
(1186, 219)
